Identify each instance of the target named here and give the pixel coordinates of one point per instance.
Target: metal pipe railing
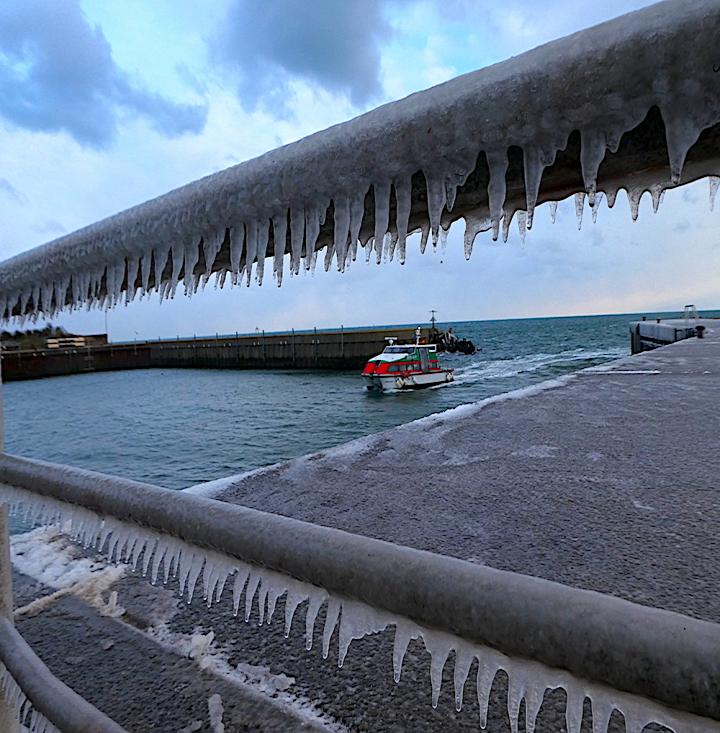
(637, 649)
(63, 707)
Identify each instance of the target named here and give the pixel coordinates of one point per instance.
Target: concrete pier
(311, 349)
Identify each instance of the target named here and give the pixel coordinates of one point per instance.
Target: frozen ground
(605, 480)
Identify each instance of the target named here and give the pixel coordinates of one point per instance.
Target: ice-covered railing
(31, 698)
(633, 103)
(652, 665)
(41, 702)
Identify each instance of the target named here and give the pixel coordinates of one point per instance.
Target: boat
(405, 366)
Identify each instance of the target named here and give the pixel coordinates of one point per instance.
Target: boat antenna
(432, 319)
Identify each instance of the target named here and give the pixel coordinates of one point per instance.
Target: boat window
(396, 350)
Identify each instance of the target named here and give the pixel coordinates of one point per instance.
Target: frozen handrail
(641, 650)
(56, 702)
(623, 104)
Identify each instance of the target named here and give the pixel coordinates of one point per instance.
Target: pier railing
(622, 654)
(29, 693)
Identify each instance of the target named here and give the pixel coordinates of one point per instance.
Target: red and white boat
(405, 367)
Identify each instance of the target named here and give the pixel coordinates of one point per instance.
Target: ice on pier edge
(194, 569)
(285, 195)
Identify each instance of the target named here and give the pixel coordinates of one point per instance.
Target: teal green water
(178, 427)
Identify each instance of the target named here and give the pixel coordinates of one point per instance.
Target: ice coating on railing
(359, 175)
(27, 716)
(195, 569)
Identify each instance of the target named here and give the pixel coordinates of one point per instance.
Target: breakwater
(312, 349)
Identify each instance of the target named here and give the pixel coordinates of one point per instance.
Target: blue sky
(105, 103)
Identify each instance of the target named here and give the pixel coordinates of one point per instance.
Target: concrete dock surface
(605, 480)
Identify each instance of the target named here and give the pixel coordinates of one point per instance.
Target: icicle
(358, 621)
(357, 212)
(506, 221)
(533, 702)
(312, 229)
(404, 632)
(596, 206)
(331, 618)
(292, 601)
(252, 585)
(238, 586)
(681, 133)
(160, 257)
(473, 226)
(341, 231)
(436, 199)
(463, 661)
(602, 710)
(634, 195)
(517, 686)
(178, 254)
(192, 255)
(297, 238)
(611, 197)
(522, 222)
(403, 198)
(485, 676)
(656, 192)
(237, 243)
(133, 270)
(592, 153)
(574, 707)
(439, 646)
(314, 604)
(263, 234)
(553, 211)
(424, 232)
(382, 216)
(212, 244)
(579, 207)
(714, 185)
(279, 241)
(498, 165)
(251, 245)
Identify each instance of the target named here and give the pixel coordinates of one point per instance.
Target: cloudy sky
(106, 103)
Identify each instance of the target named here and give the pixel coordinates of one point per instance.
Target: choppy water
(178, 427)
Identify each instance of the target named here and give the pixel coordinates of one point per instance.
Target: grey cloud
(57, 73)
(9, 190)
(331, 43)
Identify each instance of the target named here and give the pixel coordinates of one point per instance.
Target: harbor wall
(316, 349)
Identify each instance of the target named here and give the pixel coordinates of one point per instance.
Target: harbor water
(179, 427)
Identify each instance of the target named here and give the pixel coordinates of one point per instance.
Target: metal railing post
(8, 716)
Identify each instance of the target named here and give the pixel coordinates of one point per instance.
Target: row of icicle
(193, 567)
(249, 241)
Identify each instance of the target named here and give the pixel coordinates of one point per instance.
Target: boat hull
(393, 383)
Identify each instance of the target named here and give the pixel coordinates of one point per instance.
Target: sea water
(179, 427)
